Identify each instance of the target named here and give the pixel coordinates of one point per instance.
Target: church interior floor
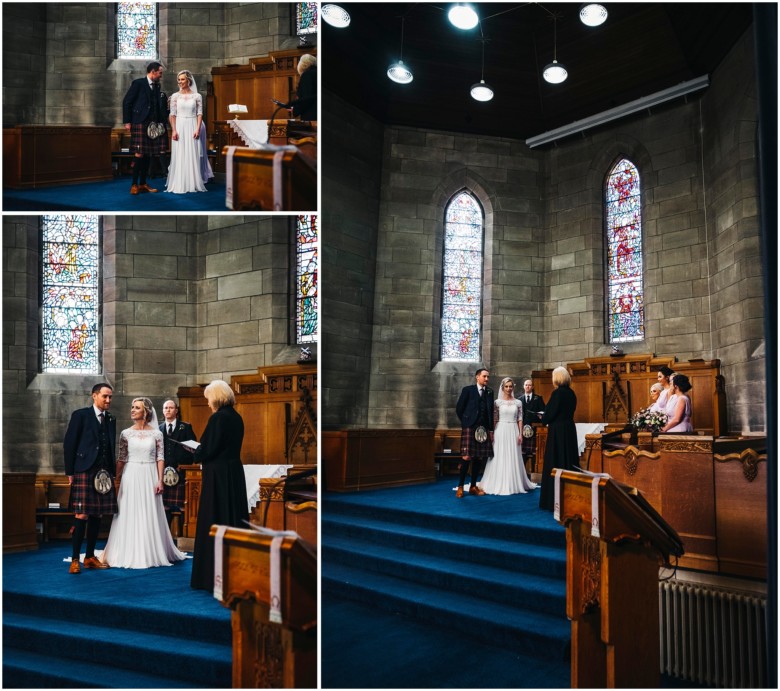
(114, 195)
(117, 628)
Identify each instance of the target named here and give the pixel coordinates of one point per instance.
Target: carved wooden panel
(612, 389)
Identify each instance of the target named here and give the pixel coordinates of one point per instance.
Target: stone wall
(59, 65)
(737, 291)
(544, 282)
(185, 300)
(351, 178)
(24, 63)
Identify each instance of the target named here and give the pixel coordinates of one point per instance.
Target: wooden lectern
(268, 654)
(612, 581)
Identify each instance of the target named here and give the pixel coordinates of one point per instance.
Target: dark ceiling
(642, 48)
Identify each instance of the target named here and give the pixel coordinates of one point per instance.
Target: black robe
(223, 498)
(562, 450)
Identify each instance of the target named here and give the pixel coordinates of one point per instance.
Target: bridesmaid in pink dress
(678, 407)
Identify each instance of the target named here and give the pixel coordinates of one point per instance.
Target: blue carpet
(114, 195)
(420, 589)
(118, 628)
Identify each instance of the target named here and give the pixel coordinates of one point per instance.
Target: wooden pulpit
(612, 581)
(267, 654)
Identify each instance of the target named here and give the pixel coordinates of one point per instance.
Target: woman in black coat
(223, 497)
(562, 450)
(305, 105)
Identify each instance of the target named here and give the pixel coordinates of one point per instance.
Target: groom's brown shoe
(459, 492)
(94, 563)
(146, 188)
(134, 189)
(472, 490)
(75, 567)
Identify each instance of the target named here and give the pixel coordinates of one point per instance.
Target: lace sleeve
(199, 104)
(122, 458)
(174, 101)
(158, 438)
(519, 411)
(496, 411)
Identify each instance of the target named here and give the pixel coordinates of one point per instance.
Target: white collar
(97, 411)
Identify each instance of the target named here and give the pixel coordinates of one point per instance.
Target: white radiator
(712, 636)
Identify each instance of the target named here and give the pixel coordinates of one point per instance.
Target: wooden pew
(611, 389)
(712, 491)
(358, 459)
(42, 155)
(270, 180)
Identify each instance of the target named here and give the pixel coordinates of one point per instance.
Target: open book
(189, 444)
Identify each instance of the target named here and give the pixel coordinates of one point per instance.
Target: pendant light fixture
(398, 72)
(463, 16)
(593, 14)
(554, 72)
(481, 91)
(335, 15)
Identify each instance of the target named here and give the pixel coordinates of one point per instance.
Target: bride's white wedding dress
(505, 472)
(189, 169)
(139, 536)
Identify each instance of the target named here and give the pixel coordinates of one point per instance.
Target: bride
(139, 536)
(189, 170)
(505, 472)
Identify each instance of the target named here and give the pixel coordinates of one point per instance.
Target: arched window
(305, 18)
(625, 293)
(306, 286)
(136, 30)
(461, 312)
(70, 293)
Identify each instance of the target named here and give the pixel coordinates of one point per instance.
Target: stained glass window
(462, 279)
(306, 18)
(70, 293)
(626, 318)
(136, 30)
(306, 287)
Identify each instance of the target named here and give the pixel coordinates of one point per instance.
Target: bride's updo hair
(187, 74)
(148, 407)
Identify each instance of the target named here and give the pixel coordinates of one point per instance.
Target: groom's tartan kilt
(85, 499)
(141, 144)
(472, 448)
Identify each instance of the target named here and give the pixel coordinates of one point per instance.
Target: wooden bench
(447, 452)
(57, 521)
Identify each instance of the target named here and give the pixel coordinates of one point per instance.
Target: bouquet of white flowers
(649, 420)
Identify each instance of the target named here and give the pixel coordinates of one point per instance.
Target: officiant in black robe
(223, 496)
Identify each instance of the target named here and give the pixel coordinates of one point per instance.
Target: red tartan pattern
(84, 499)
(140, 142)
(472, 448)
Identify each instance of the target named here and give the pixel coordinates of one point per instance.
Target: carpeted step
(506, 625)
(454, 575)
(192, 661)
(25, 670)
(500, 517)
(526, 557)
(95, 609)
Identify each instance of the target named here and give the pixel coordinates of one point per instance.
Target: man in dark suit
(532, 404)
(89, 447)
(175, 429)
(475, 411)
(145, 103)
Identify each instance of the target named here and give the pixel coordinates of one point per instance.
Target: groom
(475, 411)
(143, 105)
(89, 446)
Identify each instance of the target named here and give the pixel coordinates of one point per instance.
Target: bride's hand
(175, 136)
(196, 135)
(159, 488)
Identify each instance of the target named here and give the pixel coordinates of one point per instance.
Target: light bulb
(400, 73)
(593, 14)
(481, 91)
(463, 17)
(335, 16)
(555, 73)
